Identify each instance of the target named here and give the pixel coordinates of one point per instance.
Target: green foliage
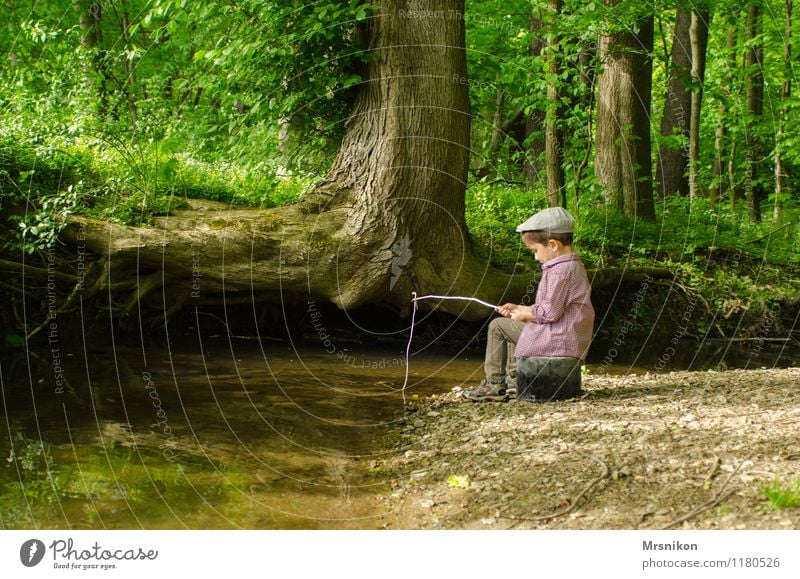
(711, 249)
(493, 212)
(29, 456)
(176, 101)
(783, 495)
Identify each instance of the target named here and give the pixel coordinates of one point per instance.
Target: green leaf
(14, 341)
(458, 481)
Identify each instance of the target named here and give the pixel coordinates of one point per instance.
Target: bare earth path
(685, 450)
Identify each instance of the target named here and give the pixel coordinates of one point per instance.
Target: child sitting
(535, 352)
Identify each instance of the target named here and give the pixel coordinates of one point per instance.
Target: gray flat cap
(552, 219)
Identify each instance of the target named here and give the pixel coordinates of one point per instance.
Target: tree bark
(673, 162)
(622, 158)
(755, 107)
(720, 134)
(554, 135)
(130, 67)
(698, 36)
(90, 20)
(535, 120)
(498, 127)
(586, 65)
(786, 93)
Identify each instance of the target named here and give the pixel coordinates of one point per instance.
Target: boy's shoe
(481, 387)
(488, 392)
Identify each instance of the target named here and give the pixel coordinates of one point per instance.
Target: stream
(233, 436)
(222, 433)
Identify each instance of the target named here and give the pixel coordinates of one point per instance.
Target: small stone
(426, 503)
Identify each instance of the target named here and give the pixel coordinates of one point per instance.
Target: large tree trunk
(402, 167)
(673, 161)
(622, 158)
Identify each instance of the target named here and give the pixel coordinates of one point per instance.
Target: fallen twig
(575, 503)
(712, 473)
(718, 497)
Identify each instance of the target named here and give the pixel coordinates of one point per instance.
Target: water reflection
(230, 437)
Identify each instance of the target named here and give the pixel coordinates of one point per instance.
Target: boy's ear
(554, 244)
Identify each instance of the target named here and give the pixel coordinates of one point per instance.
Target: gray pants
(500, 363)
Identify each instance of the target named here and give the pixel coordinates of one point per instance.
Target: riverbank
(688, 450)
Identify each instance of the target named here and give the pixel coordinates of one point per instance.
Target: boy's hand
(517, 312)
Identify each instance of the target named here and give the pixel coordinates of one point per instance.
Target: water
(218, 433)
(229, 435)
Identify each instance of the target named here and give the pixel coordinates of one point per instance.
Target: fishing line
(414, 300)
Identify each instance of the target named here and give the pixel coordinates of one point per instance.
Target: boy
(550, 338)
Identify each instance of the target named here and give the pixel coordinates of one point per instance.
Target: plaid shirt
(563, 310)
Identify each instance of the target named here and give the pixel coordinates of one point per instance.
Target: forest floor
(684, 450)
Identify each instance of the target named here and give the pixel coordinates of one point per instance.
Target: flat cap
(552, 220)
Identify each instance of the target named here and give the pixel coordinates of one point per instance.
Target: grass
(783, 495)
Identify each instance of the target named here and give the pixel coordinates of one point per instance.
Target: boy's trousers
(501, 340)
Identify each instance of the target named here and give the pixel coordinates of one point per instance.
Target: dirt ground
(684, 450)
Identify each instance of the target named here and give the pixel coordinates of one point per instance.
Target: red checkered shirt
(563, 310)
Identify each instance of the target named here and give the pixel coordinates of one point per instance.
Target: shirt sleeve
(552, 304)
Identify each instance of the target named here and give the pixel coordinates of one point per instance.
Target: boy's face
(544, 252)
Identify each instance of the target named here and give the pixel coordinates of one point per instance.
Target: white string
(414, 300)
(483, 303)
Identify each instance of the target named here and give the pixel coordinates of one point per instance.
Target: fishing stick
(414, 300)
(483, 303)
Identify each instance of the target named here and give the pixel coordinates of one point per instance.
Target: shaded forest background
(669, 128)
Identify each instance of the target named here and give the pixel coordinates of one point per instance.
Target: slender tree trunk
(130, 67)
(499, 133)
(698, 34)
(535, 121)
(755, 107)
(673, 161)
(586, 64)
(554, 135)
(720, 140)
(732, 186)
(90, 20)
(622, 158)
(786, 92)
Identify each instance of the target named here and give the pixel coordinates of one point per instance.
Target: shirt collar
(571, 256)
